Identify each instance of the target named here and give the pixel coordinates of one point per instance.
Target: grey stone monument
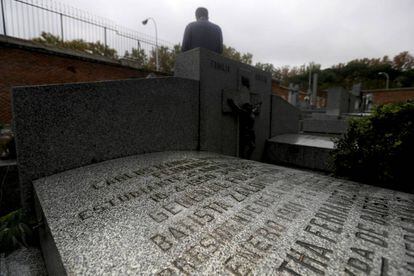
(129, 178)
(356, 93)
(285, 118)
(342, 101)
(293, 97)
(314, 94)
(222, 78)
(338, 101)
(367, 101)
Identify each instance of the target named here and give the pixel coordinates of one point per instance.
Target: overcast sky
(288, 32)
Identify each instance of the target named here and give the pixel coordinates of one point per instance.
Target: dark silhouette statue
(202, 33)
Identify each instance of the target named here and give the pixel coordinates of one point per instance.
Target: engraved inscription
(206, 214)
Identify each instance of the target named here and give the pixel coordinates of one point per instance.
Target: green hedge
(379, 149)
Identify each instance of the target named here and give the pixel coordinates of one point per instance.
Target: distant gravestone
(180, 213)
(338, 101)
(356, 93)
(342, 101)
(293, 98)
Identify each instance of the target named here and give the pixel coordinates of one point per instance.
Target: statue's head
(201, 13)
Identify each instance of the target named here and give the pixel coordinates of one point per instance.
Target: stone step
(301, 150)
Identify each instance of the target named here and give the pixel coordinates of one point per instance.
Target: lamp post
(387, 85)
(156, 40)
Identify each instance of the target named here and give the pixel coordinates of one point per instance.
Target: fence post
(4, 19)
(106, 47)
(61, 26)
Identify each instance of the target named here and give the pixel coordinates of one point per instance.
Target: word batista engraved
(242, 217)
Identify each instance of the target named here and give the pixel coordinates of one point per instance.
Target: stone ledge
(12, 42)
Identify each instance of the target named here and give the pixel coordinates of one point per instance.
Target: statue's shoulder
(215, 26)
(192, 24)
(195, 25)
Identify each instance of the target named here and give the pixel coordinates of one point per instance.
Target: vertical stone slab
(218, 130)
(285, 117)
(338, 101)
(60, 127)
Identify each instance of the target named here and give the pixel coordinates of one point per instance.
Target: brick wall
(283, 92)
(280, 90)
(393, 95)
(26, 63)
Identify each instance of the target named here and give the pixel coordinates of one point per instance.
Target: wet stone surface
(200, 213)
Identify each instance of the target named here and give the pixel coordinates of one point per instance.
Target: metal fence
(27, 19)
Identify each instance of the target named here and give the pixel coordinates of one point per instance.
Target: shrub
(378, 149)
(15, 231)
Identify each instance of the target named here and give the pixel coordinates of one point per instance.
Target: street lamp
(387, 85)
(156, 40)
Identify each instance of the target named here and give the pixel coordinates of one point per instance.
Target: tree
(166, 58)
(138, 55)
(403, 61)
(365, 71)
(48, 38)
(95, 48)
(400, 68)
(247, 58)
(232, 53)
(268, 67)
(98, 48)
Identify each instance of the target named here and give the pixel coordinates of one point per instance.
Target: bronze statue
(247, 137)
(202, 33)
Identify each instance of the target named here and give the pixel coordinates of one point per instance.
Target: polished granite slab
(199, 213)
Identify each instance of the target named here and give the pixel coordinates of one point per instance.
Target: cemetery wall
(394, 95)
(26, 63)
(280, 90)
(283, 92)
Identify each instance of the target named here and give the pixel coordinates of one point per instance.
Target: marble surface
(201, 213)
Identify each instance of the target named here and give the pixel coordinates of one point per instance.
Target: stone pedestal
(217, 74)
